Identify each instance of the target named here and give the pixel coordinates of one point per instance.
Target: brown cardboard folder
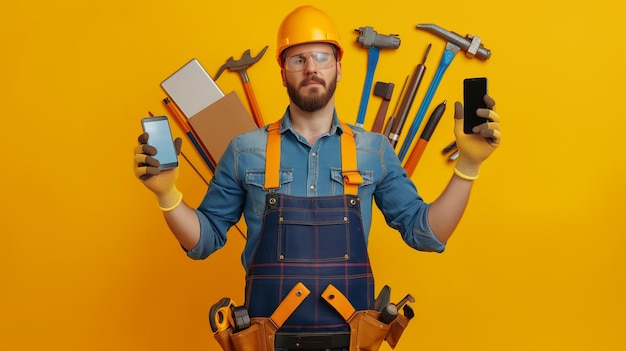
(221, 121)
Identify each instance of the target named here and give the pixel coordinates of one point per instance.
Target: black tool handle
(389, 313)
(433, 121)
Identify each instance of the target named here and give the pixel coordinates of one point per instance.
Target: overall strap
(350, 173)
(349, 170)
(272, 157)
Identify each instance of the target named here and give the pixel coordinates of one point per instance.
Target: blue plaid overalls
(313, 240)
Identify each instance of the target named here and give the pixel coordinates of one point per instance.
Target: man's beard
(315, 102)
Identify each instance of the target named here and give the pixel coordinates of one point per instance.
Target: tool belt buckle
(312, 341)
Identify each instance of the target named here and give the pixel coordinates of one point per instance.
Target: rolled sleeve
(220, 209)
(422, 237)
(403, 208)
(209, 241)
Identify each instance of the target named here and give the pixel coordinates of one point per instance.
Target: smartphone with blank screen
(160, 136)
(474, 91)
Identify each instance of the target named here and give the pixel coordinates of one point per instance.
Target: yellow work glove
(161, 183)
(475, 148)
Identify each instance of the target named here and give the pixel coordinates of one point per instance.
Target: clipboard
(214, 117)
(191, 88)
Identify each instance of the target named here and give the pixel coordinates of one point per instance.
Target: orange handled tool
(254, 106)
(420, 146)
(241, 66)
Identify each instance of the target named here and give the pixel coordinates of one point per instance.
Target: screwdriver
(395, 109)
(416, 79)
(420, 146)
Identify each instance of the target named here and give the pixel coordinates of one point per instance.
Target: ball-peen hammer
(241, 66)
(368, 38)
(472, 46)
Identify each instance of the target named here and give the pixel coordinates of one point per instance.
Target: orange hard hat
(307, 24)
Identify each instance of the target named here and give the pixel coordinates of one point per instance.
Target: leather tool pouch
(367, 332)
(396, 328)
(258, 337)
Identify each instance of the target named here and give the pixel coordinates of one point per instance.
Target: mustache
(313, 79)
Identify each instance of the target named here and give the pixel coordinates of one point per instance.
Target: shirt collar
(285, 123)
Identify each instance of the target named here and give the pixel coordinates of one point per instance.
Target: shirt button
(312, 187)
(314, 154)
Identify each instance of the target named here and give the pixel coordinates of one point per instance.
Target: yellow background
(87, 262)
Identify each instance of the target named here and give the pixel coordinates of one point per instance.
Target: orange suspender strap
(272, 157)
(350, 173)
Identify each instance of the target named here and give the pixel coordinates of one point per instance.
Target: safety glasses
(297, 63)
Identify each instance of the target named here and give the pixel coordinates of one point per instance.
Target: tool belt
(367, 331)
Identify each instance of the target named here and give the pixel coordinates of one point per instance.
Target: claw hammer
(241, 66)
(472, 46)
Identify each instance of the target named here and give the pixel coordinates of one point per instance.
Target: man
(305, 186)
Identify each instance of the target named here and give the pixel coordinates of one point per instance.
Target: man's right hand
(161, 183)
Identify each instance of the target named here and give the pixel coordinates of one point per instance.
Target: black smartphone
(160, 136)
(474, 91)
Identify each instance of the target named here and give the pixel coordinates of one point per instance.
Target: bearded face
(312, 97)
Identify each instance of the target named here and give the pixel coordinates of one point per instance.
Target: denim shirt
(308, 170)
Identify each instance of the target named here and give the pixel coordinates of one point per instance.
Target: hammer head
(384, 90)
(470, 44)
(368, 37)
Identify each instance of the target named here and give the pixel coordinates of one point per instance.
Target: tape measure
(239, 318)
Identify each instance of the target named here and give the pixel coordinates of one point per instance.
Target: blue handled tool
(446, 59)
(368, 38)
(470, 44)
(372, 61)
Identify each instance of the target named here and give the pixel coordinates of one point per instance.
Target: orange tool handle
(415, 156)
(256, 111)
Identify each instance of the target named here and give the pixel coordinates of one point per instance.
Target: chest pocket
(337, 177)
(314, 234)
(255, 180)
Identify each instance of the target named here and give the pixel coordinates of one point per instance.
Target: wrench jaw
(242, 64)
(223, 68)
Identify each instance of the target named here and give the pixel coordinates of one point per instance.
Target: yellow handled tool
(225, 313)
(220, 315)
